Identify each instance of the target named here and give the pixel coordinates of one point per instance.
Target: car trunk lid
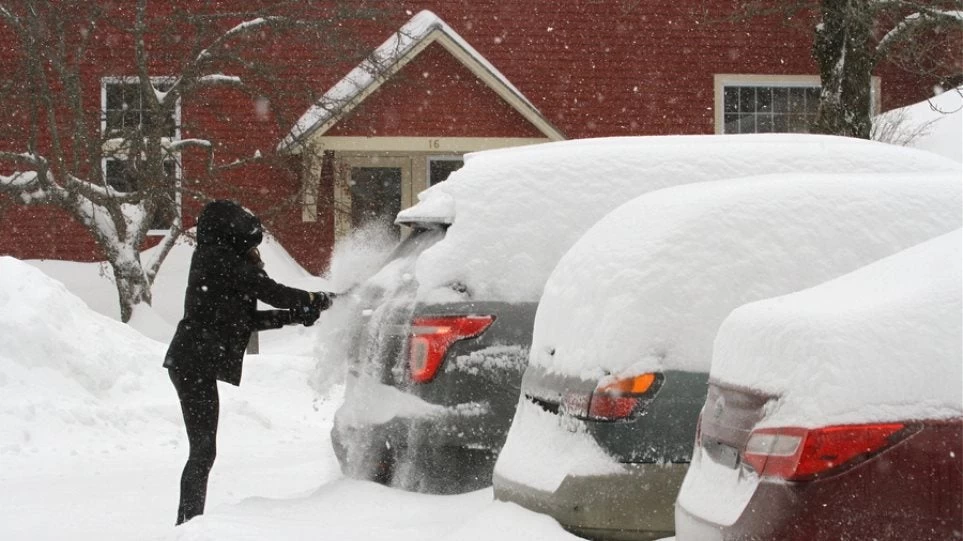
(557, 393)
(727, 420)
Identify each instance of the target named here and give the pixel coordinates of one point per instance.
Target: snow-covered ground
(92, 442)
(935, 125)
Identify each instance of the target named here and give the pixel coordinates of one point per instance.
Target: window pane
(747, 99)
(764, 124)
(146, 120)
(438, 170)
(763, 99)
(115, 120)
(730, 99)
(780, 99)
(747, 124)
(779, 124)
(131, 96)
(170, 127)
(130, 119)
(797, 99)
(115, 97)
(118, 176)
(731, 124)
(798, 123)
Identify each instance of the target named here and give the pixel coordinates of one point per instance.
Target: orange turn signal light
(632, 385)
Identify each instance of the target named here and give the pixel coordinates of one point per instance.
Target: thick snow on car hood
(514, 212)
(647, 287)
(894, 326)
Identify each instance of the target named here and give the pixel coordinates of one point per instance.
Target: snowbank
(516, 211)
(78, 383)
(647, 287)
(935, 125)
(65, 370)
(94, 283)
(92, 442)
(895, 327)
(359, 510)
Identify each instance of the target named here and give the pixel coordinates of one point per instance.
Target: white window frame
(112, 146)
(721, 81)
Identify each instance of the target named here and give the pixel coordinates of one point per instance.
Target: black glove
(322, 300)
(305, 315)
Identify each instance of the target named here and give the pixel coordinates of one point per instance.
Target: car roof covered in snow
(647, 287)
(514, 212)
(895, 327)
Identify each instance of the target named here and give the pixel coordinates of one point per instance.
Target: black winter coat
(223, 287)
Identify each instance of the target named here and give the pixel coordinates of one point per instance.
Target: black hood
(226, 224)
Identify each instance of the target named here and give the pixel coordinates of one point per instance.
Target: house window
(440, 167)
(770, 103)
(125, 114)
(124, 108)
(768, 109)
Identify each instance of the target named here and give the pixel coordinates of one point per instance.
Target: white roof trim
(422, 30)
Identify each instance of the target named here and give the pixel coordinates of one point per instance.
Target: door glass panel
(375, 196)
(439, 169)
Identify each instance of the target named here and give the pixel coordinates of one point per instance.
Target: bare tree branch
(61, 155)
(913, 21)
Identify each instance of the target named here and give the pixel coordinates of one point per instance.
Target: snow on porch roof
(412, 38)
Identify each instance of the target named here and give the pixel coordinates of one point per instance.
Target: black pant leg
(199, 404)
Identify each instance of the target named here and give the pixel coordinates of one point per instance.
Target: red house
(447, 77)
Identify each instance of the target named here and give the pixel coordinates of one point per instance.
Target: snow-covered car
(437, 351)
(620, 356)
(837, 412)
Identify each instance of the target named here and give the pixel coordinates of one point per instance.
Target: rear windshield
(396, 272)
(416, 242)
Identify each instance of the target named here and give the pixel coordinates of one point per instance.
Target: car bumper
(636, 504)
(902, 493)
(416, 445)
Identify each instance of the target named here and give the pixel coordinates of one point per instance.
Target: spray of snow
(358, 255)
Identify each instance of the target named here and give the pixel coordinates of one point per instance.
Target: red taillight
(797, 454)
(431, 336)
(619, 399)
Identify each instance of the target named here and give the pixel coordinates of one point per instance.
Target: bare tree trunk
(133, 286)
(845, 58)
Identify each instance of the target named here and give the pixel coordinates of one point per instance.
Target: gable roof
(413, 37)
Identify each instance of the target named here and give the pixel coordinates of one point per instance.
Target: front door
(370, 191)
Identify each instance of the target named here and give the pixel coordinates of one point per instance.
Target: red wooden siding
(435, 95)
(593, 68)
